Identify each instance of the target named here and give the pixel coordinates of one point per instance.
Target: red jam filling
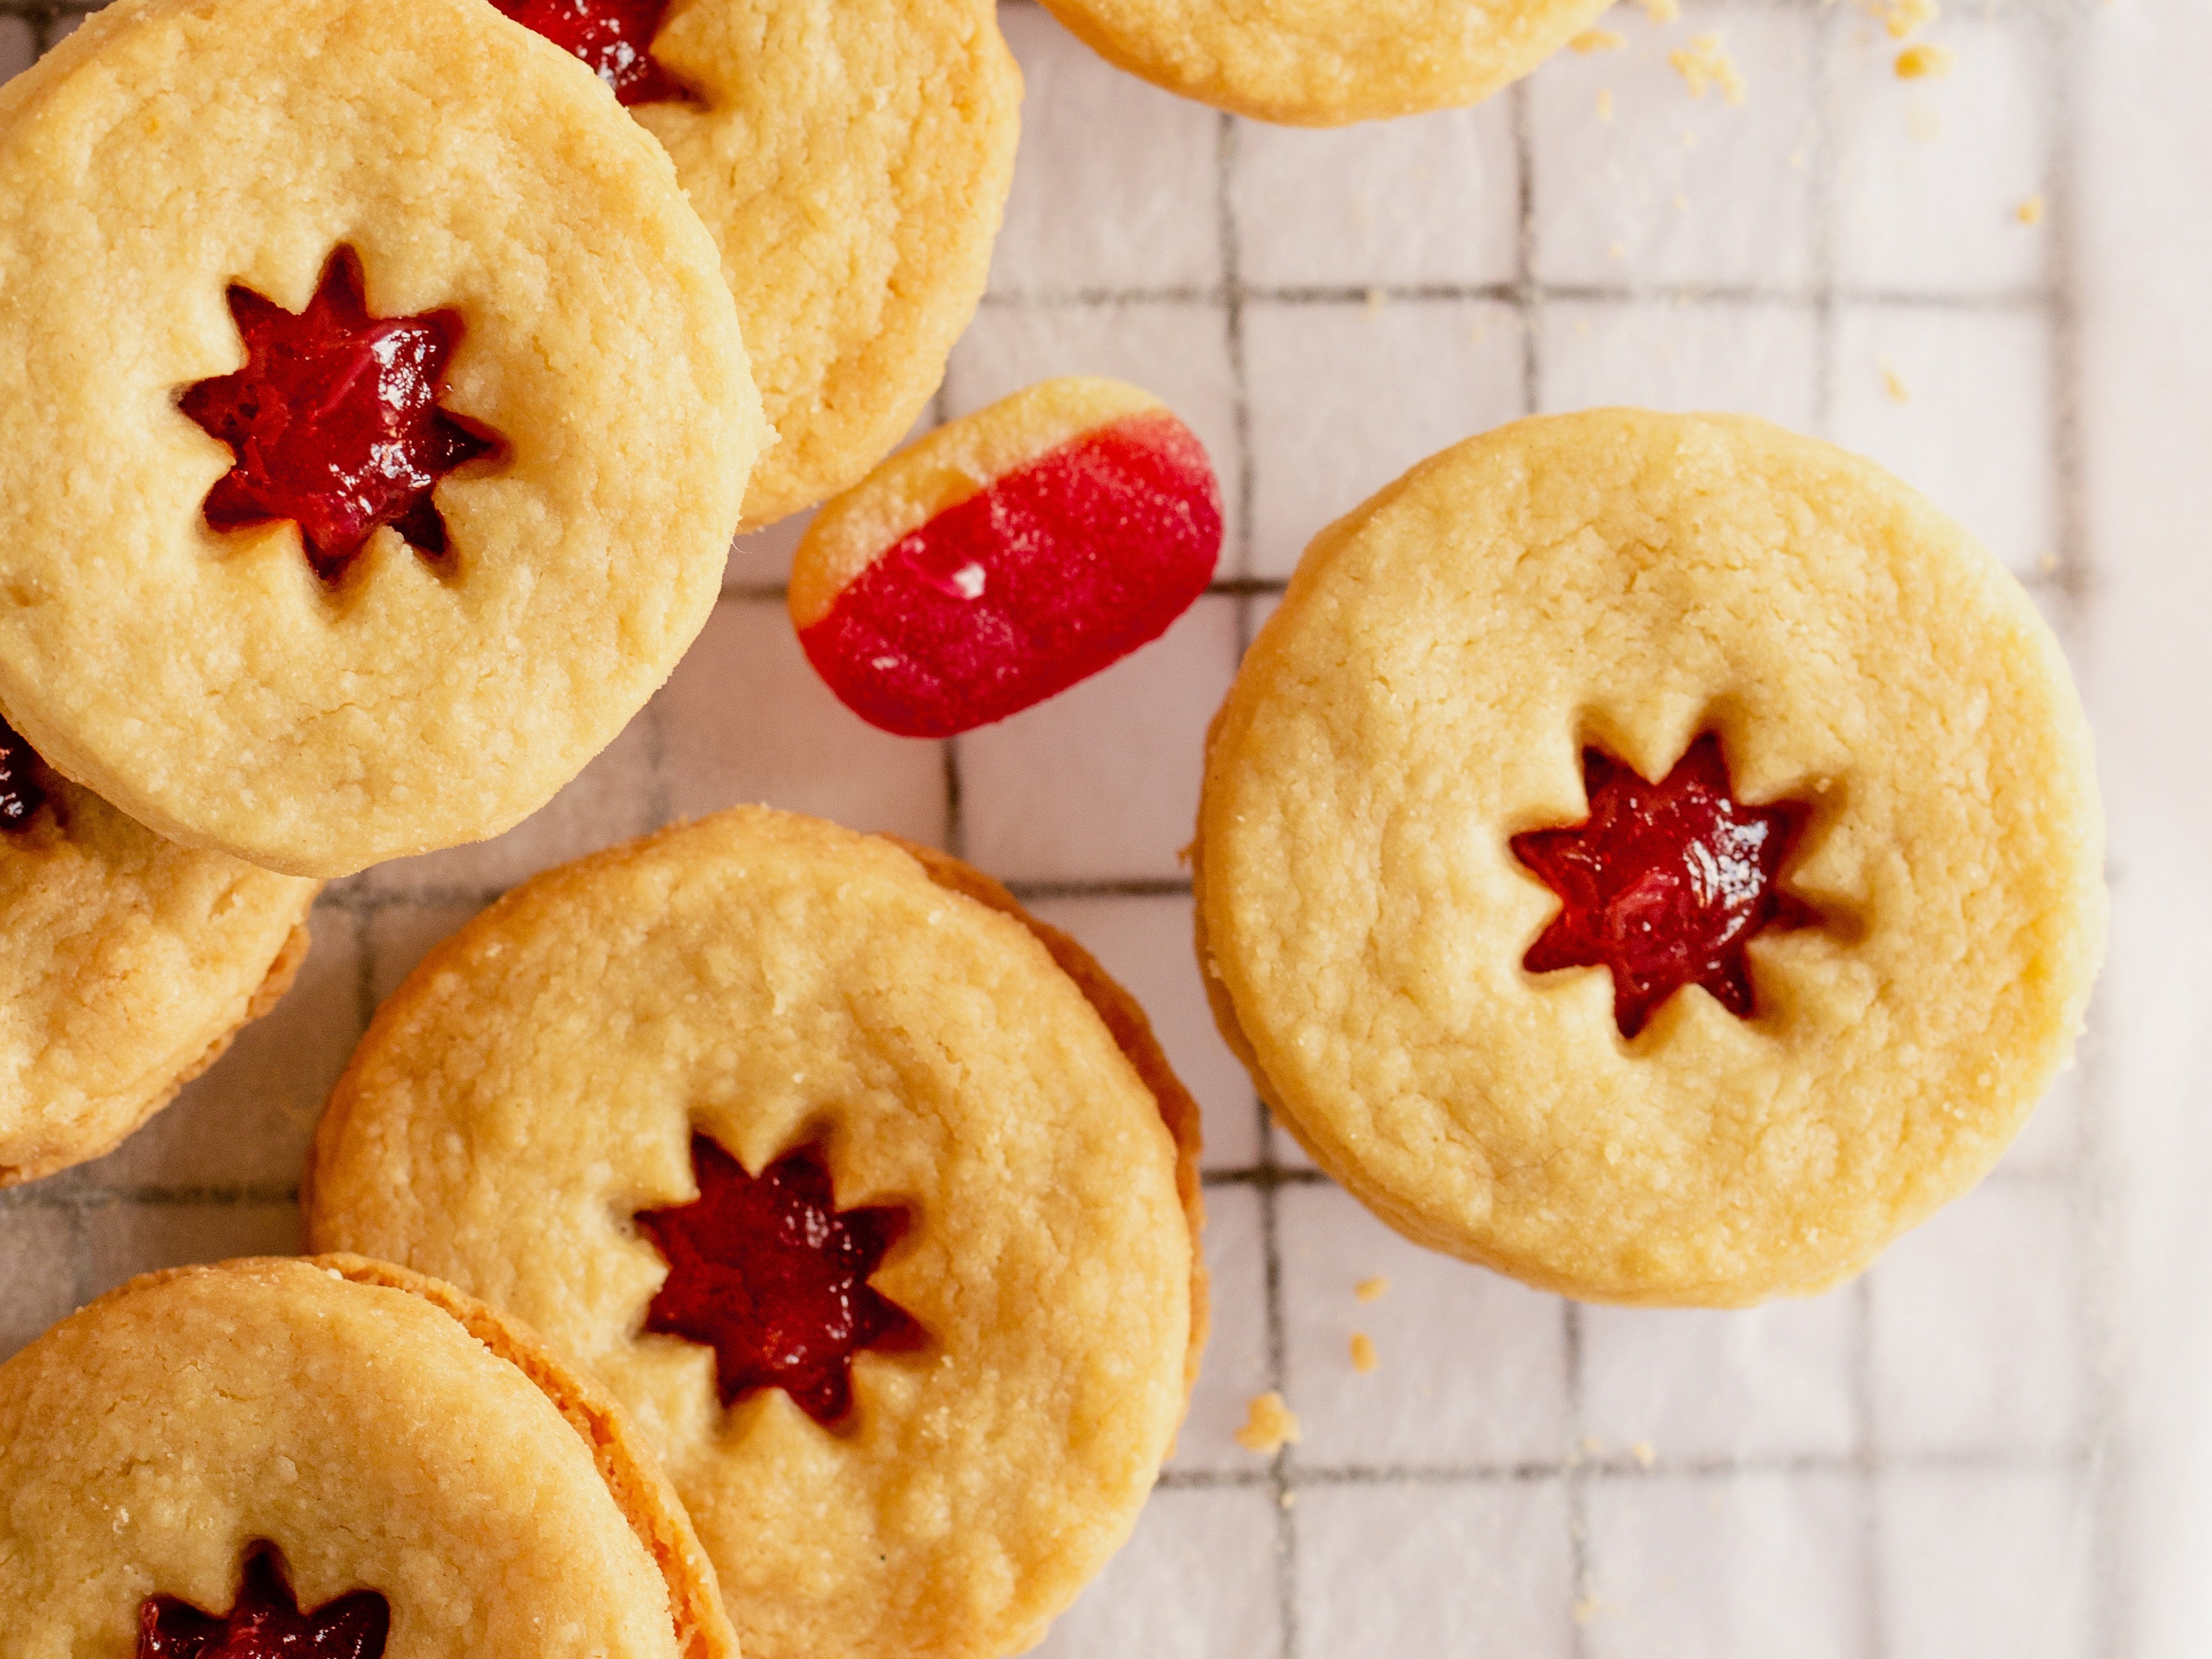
(1665, 883)
(265, 1621)
(334, 421)
(765, 1271)
(21, 794)
(1048, 574)
(613, 38)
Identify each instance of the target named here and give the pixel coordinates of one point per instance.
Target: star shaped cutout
(768, 1272)
(265, 1622)
(21, 794)
(334, 422)
(1665, 883)
(613, 38)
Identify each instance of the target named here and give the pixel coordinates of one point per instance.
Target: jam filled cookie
(333, 1459)
(373, 421)
(131, 964)
(1005, 557)
(1325, 63)
(852, 157)
(844, 1185)
(1656, 857)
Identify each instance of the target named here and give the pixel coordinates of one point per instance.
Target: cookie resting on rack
(373, 426)
(1657, 857)
(1327, 62)
(1005, 557)
(131, 964)
(331, 1459)
(852, 159)
(873, 1199)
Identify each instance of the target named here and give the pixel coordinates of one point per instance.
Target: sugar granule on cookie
(1005, 557)
(1705, 62)
(1269, 1424)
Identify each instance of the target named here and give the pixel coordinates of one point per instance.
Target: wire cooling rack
(1919, 1464)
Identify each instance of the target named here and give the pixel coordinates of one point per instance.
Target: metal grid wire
(71, 1213)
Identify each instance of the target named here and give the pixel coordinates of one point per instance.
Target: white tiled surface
(1989, 1445)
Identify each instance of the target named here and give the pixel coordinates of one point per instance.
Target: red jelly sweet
(613, 38)
(1665, 883)
(767, 1270)
(1072, 524)
(21, 794)
(265, 1621)
(334, 421)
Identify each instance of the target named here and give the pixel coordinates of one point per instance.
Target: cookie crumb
(1591, 40)
(1705, 62)
(2029, 212)
(1364, 1357)
(1592, 1446)
(1905, 18)
(1586, 1609)
(1662, 11)
(1616, 251)
(1605, 103)
(1893, 382)
(2047, 565)
(1269, 1425)
(1644, 1454)
(1288, 1500)
(1925, 62)
(1680, 201)
(1376, 299)
(1372, 1290)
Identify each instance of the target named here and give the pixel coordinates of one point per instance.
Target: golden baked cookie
(130, 965)
(815, 1155)
(1657, 857)
(318, 1458)
(852, 157)
(1327, 62)
(373, 421)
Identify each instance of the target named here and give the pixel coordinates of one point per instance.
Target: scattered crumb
(1475, 336)
(1376, 301)
(1925, 62)
(2048, 564)
(1893, 382)
(1372, 1290)
(2029, 212)
(1605, 103)
(1905, 18)
(1705, 62)
(1591, 40)
(1586, 1609)
(1592, 1446)
(1269, 1426)
(1662, 11)
(1288, 1500)
(1364, 1357)
(1616, 251)
(1681, 202)
(1644, 1454)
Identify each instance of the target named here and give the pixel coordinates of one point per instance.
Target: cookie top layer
(131, 961)
(383, 1432)
(1627, 582)
(174, 153)
(1327, 62)
(852, 157)
(777, 984)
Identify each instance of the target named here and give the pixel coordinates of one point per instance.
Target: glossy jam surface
(21, 794)
(1048, 574)
(767, 1272)
(334, 421)
(1665, 883)
(614, 39)
(265, 1621)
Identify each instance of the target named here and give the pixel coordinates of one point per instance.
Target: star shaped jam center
(768, 1272)
(334, 422)
(265, 1622)
(1665, 883)
(613, 38)
(21, 794)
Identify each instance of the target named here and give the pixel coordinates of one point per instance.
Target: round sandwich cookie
(852, 158)
(131, 964)
(1657, 857)
(373, 421)
(1328, 62)
(874, 1202)
(331, 1459)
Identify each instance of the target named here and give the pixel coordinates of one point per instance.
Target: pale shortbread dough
(384, 1432)
(1325, 63)
(767, 978)
(209, 686)
(129, 964)
(852, 157)
(1632, 580)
